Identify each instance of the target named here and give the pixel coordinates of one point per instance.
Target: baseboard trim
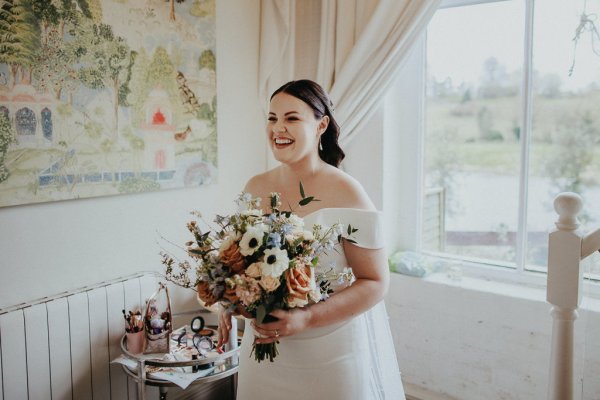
(416, 392)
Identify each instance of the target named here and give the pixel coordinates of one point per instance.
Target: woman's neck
(303, 171)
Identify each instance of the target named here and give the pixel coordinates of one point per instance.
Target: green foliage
(20, 33)
(305, 200)
(138, 184)
(107, 146)
(7, 134)
(103, 58)
(93, 129)
(4, 173)
(576, 136)
(7, 137)
(208, 112)
(135, 142)
(161, 70)
(208, 60)
(203, 8)
(466, 96)
(441, 162)
(53, 69)
(485, 124)
(46, 12)
(124, 89)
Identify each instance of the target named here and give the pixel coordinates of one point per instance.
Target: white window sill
(501, 281)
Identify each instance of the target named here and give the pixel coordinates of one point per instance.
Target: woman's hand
(224, 327)
(225, 322)
(290, 322)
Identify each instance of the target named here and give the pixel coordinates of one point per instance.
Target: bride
(340, 348)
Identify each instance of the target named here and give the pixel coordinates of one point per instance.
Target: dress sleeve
(369, 224)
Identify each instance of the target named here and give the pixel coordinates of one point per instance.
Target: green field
(483, 134)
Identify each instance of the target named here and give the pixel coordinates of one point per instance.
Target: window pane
(474, 63)
(565, 146)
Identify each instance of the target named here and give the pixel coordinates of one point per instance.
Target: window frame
(518, 272)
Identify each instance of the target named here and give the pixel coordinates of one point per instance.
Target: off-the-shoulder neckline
(365, 210)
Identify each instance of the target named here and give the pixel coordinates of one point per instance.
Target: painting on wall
(104, 97)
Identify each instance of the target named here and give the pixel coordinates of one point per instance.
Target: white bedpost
(563, 292)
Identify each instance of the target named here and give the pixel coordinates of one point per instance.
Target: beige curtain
(351, 47)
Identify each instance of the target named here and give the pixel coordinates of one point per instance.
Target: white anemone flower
(252, 240)
(275, 262)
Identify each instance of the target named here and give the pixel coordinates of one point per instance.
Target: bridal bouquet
(259, 261)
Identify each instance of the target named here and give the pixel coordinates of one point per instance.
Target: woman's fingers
(224, 328)
(272, 330)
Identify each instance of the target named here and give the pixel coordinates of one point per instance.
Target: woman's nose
(279, 127)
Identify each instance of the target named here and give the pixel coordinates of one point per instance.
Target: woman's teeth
(283, 141)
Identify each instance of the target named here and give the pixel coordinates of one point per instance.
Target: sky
(460, 40)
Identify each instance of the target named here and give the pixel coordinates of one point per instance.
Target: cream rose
(269, 283)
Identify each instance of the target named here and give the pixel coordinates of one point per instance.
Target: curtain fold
(362, 45)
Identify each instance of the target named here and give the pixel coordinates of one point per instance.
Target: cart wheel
(163, 393)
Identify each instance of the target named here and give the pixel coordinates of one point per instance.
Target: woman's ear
(323, 124)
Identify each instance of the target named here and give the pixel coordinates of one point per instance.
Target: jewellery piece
(276, 333)
(320, 144)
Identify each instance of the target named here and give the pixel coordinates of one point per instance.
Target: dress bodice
(368, 235)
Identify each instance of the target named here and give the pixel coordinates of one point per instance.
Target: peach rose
(300, 282)
(269, 283)
(254, 270)
(232, 257)
(205, 295)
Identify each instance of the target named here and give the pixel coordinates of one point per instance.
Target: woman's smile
(282, 143)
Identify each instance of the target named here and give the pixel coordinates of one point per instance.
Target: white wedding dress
(352, 360)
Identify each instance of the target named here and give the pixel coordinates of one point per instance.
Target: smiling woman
(304, 104)
(342, 346)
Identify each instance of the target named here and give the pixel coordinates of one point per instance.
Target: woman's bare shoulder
(346, 191)
(259, 185)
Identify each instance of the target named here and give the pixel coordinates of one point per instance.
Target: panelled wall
(61, 347)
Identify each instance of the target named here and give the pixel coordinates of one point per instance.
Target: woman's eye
(272, 119)
(292, 119)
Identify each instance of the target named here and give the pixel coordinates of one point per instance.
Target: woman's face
(293, 130)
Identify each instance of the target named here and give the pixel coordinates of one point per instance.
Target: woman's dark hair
(315, 96)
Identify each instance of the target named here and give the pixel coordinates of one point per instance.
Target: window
(511, 120)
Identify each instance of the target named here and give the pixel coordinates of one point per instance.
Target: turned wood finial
(567, 205)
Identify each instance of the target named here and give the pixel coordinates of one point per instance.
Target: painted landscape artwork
(104, 97)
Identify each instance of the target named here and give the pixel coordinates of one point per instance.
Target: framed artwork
(105, 97)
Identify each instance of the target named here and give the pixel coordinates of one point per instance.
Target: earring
(320, 144)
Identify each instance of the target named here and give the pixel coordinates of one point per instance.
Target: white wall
(53, 247)
(472, 339)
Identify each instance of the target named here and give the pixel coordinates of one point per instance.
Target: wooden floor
(219, 390)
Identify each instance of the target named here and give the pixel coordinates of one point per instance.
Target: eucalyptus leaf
(302, 191)
(306, 200)
(261, 313)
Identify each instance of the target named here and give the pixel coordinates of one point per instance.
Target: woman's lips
(281, 143)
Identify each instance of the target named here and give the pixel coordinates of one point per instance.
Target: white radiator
(61, 347)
